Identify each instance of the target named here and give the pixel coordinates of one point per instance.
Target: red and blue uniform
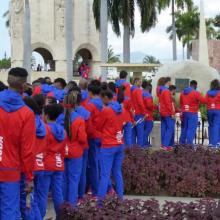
(58, 94)
(190, 99)
(85, 114)
(84, 97)
(140, 112)
(110, 126)
(43, 89)
(129, 119)
(148, 124)
(94, 106)
(54, 167)
(167, 112)
(213, 107)
(16, 150)
(122, 82)
(74, 158)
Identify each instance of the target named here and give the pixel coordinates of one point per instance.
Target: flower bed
(114, 209)
(184, 172)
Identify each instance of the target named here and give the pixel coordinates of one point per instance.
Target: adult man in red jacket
(190, 99)
(17, 141)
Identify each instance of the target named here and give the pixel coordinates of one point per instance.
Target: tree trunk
(104, 37)
(27, 49)
(69, 38)
(188, 51)
(174, 31)
(126, 45)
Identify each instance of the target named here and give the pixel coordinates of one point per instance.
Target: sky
(155, 42)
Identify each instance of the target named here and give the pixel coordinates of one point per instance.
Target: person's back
(190, 100)
(213, 100)
(166, 102)
(122, 82)
(110, 125)
(17, 141)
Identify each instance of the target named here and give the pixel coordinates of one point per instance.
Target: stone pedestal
(156, 135)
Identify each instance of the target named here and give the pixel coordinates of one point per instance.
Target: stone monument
(48, 33)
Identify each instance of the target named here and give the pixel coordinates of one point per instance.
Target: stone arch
(92, 49)
(46, 52)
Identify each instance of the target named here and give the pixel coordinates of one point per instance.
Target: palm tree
(187, 28)
(151, 60)
(122, 11)
(69, 38)
(6, 16)
(112, 58)
(180, 4)
(27, 50)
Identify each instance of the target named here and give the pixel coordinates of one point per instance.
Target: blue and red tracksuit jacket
(17, 137)
(213, 100)
(149, 105)
(166, 105)
(110, 125)
(58, 94)
(54, 157)
(128, 109)
(84, 97)
(137, 101)
(122, 82)
(190, 99)
(94, 106)
(85, 114)
(43, 89)
(78, 140)
(41, 145)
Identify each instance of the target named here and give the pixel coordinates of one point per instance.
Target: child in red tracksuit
(53, 161)
(167, 113)
(140, 112)
(76, 144)
(122, 82)
(94, 106)
(17, 141)
(149, 105)
(110, 126)
(190, 99)
(128, 113)
(213, 107)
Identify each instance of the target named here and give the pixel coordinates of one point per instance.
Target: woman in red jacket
(213, 107)
(77, 141)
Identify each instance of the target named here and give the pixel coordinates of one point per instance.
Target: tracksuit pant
(167, 130)
(111, 163)
(32, 212)
(10, 200)
(93, 165)
(72, 174)
(214, 127)
(128, 134)
(138, 132)
(50, 180)
(148, 126)
(190, 124)
(82, 182)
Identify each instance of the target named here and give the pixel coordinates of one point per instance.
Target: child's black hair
(61, 81)
(147, 85)
(121, 94)
(112, 87)
(53, 111)
(172, 87)
(94, 89)
(104, 86)
(32, 104)
(40, 100)
(70, 101)
(2, 86)
(123, 74)
(107, 93)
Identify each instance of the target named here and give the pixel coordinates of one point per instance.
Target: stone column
(203, 44)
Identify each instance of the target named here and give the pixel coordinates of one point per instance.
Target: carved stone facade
(214, 52)
(48, 31)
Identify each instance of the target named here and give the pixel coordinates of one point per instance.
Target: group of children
(69, 139)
